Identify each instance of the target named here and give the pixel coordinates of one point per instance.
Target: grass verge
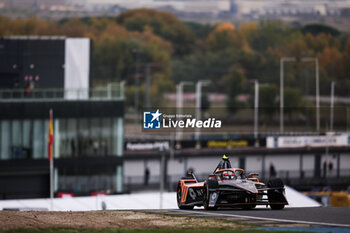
(72, 230)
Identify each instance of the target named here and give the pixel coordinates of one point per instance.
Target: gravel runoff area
(10, 220)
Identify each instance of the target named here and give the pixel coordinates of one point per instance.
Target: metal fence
(134, 183)
(111, 91)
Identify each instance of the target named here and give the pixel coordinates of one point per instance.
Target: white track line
(269, 219)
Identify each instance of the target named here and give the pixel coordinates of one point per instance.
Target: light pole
(162, 178)
(122, 89)
(282, 60)
(332, 106)
(199, 85)
(256, 105)
(256, 108)
(179, 103)
(315, 59)
(137, 52)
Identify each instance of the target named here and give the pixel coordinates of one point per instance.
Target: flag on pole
(50, 157)
(50, 141)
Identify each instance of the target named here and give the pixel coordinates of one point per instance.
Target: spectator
(147, 173)
(330, 167)
(27, 89)
(272, 171)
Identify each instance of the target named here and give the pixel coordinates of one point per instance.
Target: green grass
(71, 230)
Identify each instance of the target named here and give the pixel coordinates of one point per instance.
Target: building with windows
(88, 122)
(88, 144)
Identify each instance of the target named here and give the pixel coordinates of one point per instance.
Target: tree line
(227, 54)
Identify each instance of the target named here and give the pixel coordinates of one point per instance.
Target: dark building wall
(24, 186)
(29, 178)
(42, 58)
(24, 179)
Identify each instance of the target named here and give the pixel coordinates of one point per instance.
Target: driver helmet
(227, 175)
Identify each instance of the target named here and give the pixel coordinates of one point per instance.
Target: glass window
(106, 137)
(26, 137)
(84, 141)
(86, 180)
(38, 136)
(118, 132)
(5, 140)
(72, 137)
(64, 142)
(95, 136)
(16, 133)
(120, 136)
(45, 139)
(26, 134)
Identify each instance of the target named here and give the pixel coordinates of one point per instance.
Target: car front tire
(178, 195)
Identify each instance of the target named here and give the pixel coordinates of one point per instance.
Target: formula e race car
(230, 187)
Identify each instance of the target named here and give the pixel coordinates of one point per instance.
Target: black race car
(230, 187)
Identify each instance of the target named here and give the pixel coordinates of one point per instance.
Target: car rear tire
(277, 207)
(181, 206)
(276, 195)
(248, 207)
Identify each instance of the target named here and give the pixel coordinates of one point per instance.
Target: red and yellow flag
(50, 142)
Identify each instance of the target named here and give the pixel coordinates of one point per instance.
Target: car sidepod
(189, 194)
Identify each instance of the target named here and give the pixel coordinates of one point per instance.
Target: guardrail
(111, 91)
(136, 183)
(284, 174)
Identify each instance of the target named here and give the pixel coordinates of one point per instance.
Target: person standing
(324, 169)
(146, 177)
(273, 172)
(330, 167)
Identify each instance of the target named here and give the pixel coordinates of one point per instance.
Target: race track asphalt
(323, 216)
(333, 215)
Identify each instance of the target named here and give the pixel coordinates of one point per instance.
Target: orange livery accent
(185, 185)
